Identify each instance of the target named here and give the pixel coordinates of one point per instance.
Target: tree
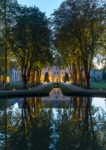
(46, 79)
(30, 40)
(7, 12)
(79, 26)
(66, 78)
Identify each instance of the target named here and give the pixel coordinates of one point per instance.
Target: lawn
(98, 85)
(43, 91)
(11, 86)
(83, 93)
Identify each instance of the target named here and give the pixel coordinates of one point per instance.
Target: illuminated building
(55, 74)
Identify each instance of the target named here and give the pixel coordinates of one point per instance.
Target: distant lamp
(56, 85)
(100, 89)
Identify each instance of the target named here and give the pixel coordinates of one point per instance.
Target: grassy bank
(98, 85)
(84, 92)
(16, 86)
(11, 86)
(43, 91)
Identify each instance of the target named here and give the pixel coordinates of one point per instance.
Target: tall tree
(66, 77)
(81, 24)
(30, 40)
(7, 12)
(46, 79)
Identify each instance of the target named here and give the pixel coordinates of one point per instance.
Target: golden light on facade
(42, 79)
(8, 79)
(2, 79)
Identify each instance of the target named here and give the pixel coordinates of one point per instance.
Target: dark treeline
(26, 39)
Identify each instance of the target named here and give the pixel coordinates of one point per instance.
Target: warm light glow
(54, 75)
(42, 79)
(8, 79)
(68, 82)
(2, 79)
(56, 78)
(14, 89)
(44, 82)
(56, 88)
(50, 78)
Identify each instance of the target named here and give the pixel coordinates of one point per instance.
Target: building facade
(55, 74)
(16, 76)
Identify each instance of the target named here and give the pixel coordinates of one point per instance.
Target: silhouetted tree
(30, 41)
(66, 78)
(46, 79)
(79, 27)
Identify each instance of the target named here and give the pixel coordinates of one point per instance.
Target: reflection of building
(56, 94)
(55, 74)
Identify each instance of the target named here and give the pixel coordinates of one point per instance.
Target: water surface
(56, 122)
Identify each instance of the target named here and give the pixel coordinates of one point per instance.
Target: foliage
(34, 129)
(74, 126)
(98, 85)
(46, 79)
(30, 40)
(7, 14)
(79, 26)
(66, 78)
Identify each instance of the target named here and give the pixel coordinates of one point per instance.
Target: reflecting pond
(53, 123)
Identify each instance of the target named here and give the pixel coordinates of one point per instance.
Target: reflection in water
(80, 131)
(56, 94)
(25, 124)
(56, 97)
(99, 102)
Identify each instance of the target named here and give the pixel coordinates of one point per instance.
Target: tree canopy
(79, 26)
(30, 40)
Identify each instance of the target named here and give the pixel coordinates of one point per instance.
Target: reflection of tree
(88, 138)
(76, 127)
(3, 121)
(34, 129)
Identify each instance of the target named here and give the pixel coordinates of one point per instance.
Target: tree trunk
(38, 74)
(87, 75)
(25, 85)
(5, 37)
(84, 82)
(25, 76)
(74, 74)
(32, 78)
(88, 81)
(24, 79)
(5, 72)
(81, 77)
(5, 117)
